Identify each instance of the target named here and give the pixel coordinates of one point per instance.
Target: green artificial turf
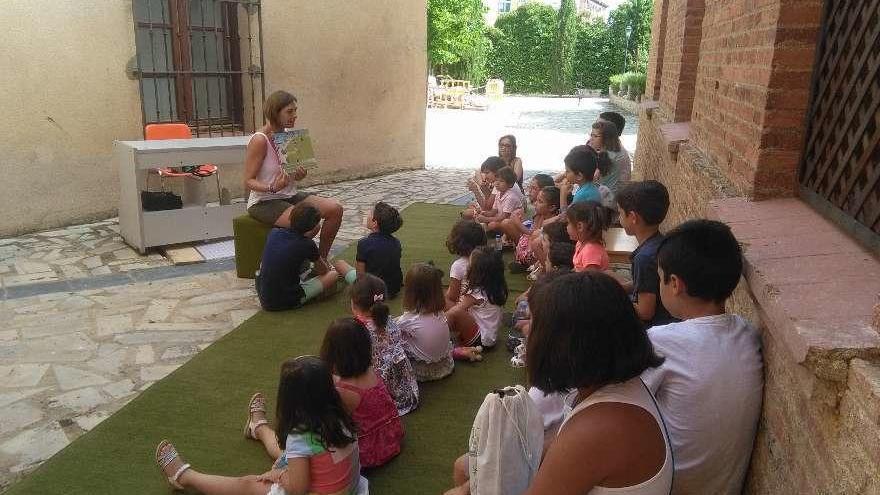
(201, 407)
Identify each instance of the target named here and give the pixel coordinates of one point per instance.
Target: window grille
(504, 6)
(200, 62)
(841, 161)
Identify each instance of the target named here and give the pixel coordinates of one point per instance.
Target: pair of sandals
(172, 464)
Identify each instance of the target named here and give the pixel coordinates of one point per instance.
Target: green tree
(522, 48)
(563, 47)
(595, 56)
(633, 17)
(457, 41)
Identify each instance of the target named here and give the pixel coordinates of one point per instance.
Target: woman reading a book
(272, 188)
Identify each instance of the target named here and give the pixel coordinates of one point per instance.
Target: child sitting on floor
(552, 233)
(483, 186)
(474, 321)
(581, 164)
(320, 449)
(379, 252)
(713, 366)
(389, 359)
(347, 350)
(283, 281)
(424, 328)
(507, 200)
(559, 261)
(642, 206)
(465, 236)
(546, 206)
(587, 223)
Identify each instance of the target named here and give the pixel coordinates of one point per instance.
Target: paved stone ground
(89, 323)
(545, 129)
(69, 359)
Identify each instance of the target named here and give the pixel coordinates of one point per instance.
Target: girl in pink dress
(368, 306)
(348, 351)
(587, 223)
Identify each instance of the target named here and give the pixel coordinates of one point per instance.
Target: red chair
(179, 131)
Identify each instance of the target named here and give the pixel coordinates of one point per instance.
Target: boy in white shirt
(710, 387)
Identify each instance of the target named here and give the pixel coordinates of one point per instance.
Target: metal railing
(200, 62)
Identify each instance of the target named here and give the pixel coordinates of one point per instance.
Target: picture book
(295, 149)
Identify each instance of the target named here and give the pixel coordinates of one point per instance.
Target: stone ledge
(649, 106)
(817, 287)
(673, 134)
(625, 104)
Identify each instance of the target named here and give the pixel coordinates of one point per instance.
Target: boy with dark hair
(616, 119)
(282, 282)
(641, 208)
(580, 168)
(710, 387)
(379, 252)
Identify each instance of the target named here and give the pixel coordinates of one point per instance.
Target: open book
(295, 149)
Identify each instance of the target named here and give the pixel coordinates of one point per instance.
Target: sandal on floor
(256, 406)
(166, 455)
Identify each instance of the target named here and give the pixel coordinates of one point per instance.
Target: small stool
(250, 239)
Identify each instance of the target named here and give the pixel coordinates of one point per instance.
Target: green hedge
(522, 48)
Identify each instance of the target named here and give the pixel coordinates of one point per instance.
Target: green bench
(250, 239)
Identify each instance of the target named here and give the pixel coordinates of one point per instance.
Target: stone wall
(734, 137)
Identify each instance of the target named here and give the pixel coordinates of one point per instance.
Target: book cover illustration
(295, 149)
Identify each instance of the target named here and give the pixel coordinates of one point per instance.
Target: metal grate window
(200, 62)
(841, 161)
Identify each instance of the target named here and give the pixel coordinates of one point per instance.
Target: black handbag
(160, 200)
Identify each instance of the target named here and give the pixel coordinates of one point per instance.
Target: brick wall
(680, 56)
(658, 41)
(752, 90)
(820, 427)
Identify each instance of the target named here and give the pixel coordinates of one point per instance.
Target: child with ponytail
(587, 223)
(368, 295)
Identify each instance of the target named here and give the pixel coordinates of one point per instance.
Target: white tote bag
(506, 443)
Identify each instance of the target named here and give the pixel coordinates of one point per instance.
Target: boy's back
(380, 254)
(646, 280)
(285, 257)
(709, 390)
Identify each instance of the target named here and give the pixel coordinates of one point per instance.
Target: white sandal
(257, 404)
(165, 455)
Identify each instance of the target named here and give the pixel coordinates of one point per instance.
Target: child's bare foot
(471, 354)
(171, 464)
(256, 416)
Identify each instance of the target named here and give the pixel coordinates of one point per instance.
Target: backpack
(506, 443)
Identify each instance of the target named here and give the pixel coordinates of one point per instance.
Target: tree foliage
(636, 15)
(594, 60)
(522, 48)
(563, 47)
(457, 41)
(536, 49)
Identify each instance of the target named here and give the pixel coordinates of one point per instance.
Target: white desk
(143, 229)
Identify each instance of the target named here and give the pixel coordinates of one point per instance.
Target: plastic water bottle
(499, 244)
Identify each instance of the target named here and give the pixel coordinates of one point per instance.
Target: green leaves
(563, 47)
(536, 49)
(522, 48)
(456, 36)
